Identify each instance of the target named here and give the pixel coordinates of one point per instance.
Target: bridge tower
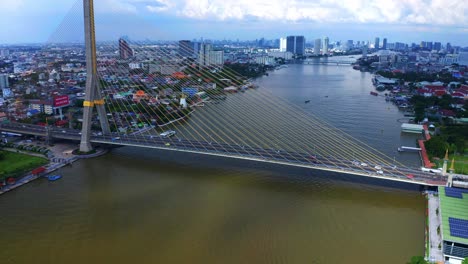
(93, 93)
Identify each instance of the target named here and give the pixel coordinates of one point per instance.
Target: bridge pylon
(93, 93)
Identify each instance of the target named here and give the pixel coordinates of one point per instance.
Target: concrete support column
(92, 92)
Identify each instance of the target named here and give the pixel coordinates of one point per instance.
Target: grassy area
(461, 164)
(15, 164)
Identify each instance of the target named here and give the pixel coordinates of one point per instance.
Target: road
(362, 168)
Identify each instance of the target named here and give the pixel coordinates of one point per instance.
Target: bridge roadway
(313, 62)
(306, 160)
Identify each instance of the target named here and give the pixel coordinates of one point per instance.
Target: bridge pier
(92, 92)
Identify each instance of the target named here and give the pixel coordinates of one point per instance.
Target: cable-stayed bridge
(140, 89)
(284, 157)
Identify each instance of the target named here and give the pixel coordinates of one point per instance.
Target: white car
(364, 164)
(168, 133)
(377, 167)
(379, 172)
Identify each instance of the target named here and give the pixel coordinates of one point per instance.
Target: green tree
(417, 260)
(436, 146)
(465, 261)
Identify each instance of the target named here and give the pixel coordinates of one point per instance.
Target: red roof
(38, 170)
(434, 87)
(458, 94)
(439, 92)
(447, 112)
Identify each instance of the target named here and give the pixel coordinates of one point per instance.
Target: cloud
(8, 6)
(437, 12)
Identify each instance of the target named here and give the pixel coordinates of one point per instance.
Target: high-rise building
(429, 45)
(208, 56)
(204, 54)
(437, 46)
(4, 81)
(295, 45)
(364, 51)
(448, 47)
(384, 44)
(185, 48)
(377, 43)
(326, 43)
(317, 46)
(125, 51)
(282, 44)
(349, 44)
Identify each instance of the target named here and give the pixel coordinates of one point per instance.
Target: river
(149, 206)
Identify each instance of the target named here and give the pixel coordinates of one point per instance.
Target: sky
(33, 21)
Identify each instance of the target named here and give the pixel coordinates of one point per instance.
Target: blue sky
(27, 21)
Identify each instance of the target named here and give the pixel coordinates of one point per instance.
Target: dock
(404, 148)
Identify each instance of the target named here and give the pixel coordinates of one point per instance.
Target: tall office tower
(377, 43)
(196, 48)
(364, 51)
(423, 44)
(349, 44)
(326, 43)
(317, 46)
(4, 81)
(283, 44)
(295, 44)
(448, 47)
(185, 48)
(429, 45)
(384, 44)
(124, 49)
(437, 46)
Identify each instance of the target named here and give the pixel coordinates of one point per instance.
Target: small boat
(308, 101)
(54, 177)
(374, 93)
(326, 96)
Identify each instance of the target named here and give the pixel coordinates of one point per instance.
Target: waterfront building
(125, 51)
(282, 44)
(278, 54)
(185, 48)
(296, 45)
(376, 43)
(326, 43)
(384, 44)
(317, 46)
(364, 51)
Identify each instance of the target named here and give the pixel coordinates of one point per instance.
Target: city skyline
(31, 22)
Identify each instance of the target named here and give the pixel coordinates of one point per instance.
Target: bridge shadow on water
(267, 173)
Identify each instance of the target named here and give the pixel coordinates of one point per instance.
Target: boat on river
(374, 93)
(54, 177)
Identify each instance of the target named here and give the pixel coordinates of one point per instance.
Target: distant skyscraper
(282, 44)
(4, 81)
(125, 51)
(185, 48)
(437, 46)
(448, 47)
(204, 54)
(350, 44)
(326, 42)
(364, 51)
(317, 46)
(429, 45)
(4, 53)
(384, 44)
(295, 44)
(377, 43)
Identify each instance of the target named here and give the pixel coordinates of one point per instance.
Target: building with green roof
(454, 214)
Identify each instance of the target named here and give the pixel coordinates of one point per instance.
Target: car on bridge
(167, 134)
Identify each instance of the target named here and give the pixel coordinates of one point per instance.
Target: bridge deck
(401, 174)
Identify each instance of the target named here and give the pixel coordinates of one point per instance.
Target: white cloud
(440, 12)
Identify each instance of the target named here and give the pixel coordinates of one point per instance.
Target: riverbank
(60, 157)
